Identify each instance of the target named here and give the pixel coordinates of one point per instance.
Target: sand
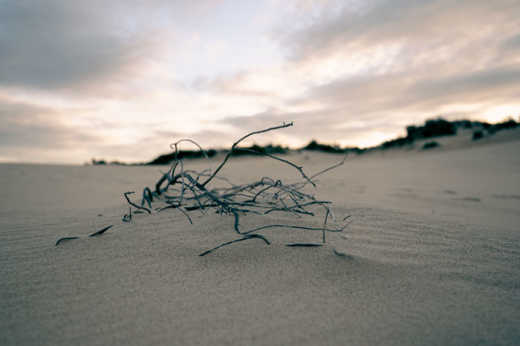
(432, 257)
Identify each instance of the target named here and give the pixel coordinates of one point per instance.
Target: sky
(122, 79)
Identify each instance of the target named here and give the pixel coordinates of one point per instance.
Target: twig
(238, 142)
(181, 209)
(299, 168)
(128, 217)
(330, 168)
(303, 245)
(65, 239)
(252, 236)
(101, 231)
(176, 146)
(133, 204)
(148, 197)
(334, 230)
(325, 224)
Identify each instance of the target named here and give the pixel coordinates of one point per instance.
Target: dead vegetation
(206, 191)
(189, 191)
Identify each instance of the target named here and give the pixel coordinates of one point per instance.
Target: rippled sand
(431, 257)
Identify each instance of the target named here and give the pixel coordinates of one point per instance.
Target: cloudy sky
(122, 79)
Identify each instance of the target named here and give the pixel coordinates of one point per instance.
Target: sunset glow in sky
(122, 79)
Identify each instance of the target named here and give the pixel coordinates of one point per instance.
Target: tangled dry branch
(189, 190)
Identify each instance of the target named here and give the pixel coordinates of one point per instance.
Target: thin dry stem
(238, 142)
(183, 190)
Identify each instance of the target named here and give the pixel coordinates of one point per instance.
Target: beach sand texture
(432, 257)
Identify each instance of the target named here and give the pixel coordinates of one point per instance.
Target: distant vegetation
(334, 149)
(440, 127)
(259, 150)
(506, 125)
(98, 162)
(432, 128)
(185, 154)
(103, 162)
(192, 154)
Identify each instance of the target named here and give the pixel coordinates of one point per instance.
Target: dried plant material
(188, 190)
(61, 240)
(304, 245)
(127, 217)
(340, 254)
(133, 204)
(101, 231)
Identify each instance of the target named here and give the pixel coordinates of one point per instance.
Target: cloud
(380, 65)
(54, 44)
(23, 125)
(30, 133)
(393, 92)
(58, 44)
(34, 133)
(123, 79)
(325, 125)
(368, 109)
(408, 21)
(490, 83)
(512, 43)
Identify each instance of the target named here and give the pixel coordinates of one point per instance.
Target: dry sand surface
(432, 257)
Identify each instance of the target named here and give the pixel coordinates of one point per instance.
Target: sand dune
(432, 257)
